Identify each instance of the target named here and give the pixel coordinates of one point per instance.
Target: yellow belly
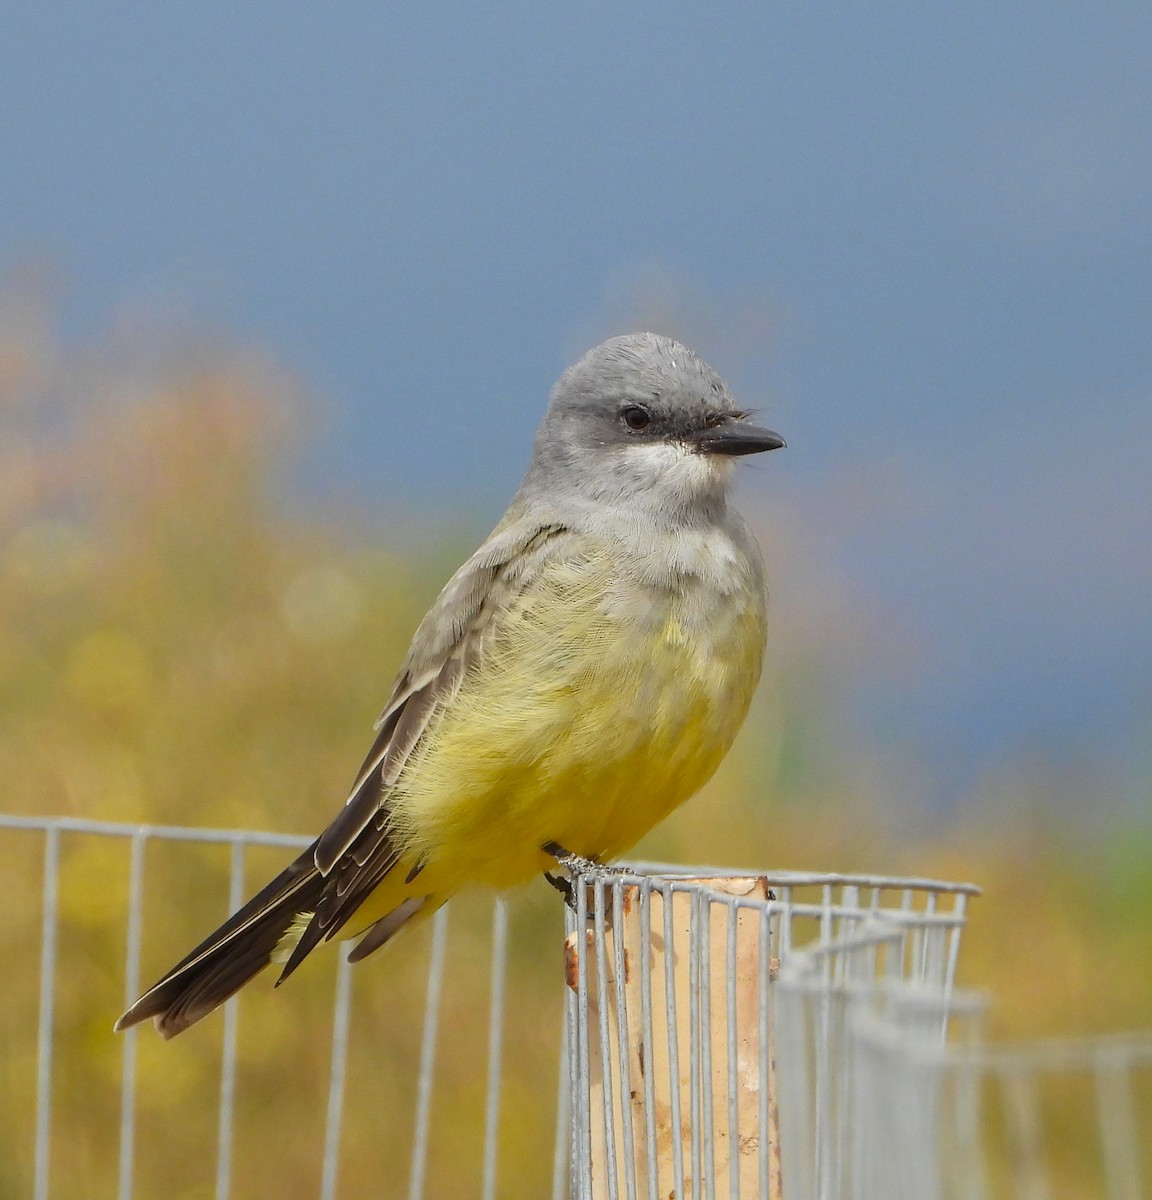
(596, 709)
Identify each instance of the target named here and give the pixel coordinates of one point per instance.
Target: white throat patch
(676, 469)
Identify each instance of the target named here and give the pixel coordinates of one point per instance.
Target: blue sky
(917, 236)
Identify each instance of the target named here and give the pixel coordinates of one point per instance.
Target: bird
(580, 676)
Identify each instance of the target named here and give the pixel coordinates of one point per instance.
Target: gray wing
(444, 647)
(333, 877)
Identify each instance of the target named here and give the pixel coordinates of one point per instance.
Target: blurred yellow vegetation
(178, 647)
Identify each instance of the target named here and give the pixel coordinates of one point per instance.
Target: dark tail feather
(228, 958)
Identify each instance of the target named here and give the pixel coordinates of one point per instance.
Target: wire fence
(925, 1118)
(691, 1074)
(710, 1036)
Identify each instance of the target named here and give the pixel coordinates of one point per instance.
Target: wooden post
(652, 1076)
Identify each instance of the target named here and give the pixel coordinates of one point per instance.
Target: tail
(240, 949)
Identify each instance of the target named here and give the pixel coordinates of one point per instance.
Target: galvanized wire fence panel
(691, 1075)
(783, 1035)
(917, 1116)
(1056, 1120)
(799, 1037)
(843, 1111)
(270, 1064)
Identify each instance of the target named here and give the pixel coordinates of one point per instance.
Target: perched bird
(581, 675)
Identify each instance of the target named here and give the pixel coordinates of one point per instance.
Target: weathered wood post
(678, 983)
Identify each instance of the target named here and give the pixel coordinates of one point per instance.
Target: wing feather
(331, 880)
(446, 645)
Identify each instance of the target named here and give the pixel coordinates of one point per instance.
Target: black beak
(736, 437)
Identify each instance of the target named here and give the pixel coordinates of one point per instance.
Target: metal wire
(47, 1007)
(228, 1065)
(341, 1023)
(495, 1045)
(563, 1116)
(131, 991)
(719, 1028)
(428, 1055)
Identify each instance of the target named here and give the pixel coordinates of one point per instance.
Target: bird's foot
(574, 864)
(563, 886)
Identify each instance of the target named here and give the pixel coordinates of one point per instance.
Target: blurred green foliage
(177, 645)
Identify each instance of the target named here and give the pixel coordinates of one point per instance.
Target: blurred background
(282, 293)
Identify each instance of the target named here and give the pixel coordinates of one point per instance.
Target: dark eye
(636, 416)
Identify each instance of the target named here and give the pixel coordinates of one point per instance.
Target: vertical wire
(582, 1160)
(48, 931)
(824, 1100)
(850, 924)
(876, 958)
(849, 900)
(1025, 1132)
(131, 991)
(608, 1100)
(709, 1139)
(930, 960)
(668, 896)
(495, 1044)
(623, 1040)
(574, 1034)
(228, 1064)
(563, 1105)
(969, 1145)
(335, 1115)
(850, 967)
(428, 1054)
(649, 1037)
(788, 911)
(960, 911)
(1116, 1119)
(694, 1038)
(764, 963)
(907, 958)
(733, 1069)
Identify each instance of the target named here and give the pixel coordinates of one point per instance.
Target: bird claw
(575, 865)
(563, 886)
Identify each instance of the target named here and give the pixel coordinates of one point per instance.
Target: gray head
(641, 421)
